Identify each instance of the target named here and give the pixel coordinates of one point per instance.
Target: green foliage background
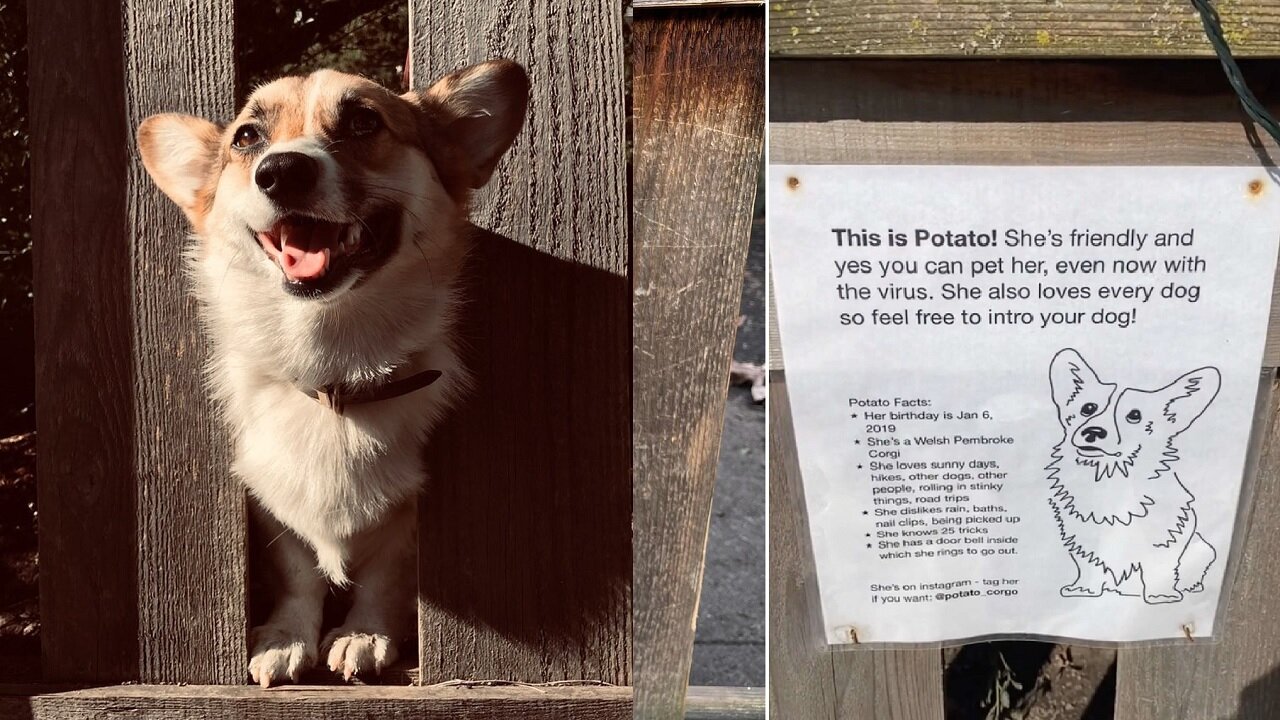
(273, 38)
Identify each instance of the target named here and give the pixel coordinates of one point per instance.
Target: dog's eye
(363, 121)
(246, 137)
(1134, 416)
(1089, 409)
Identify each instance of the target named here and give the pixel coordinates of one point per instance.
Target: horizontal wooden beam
(215, 702)
(724, 703)
(650, 4)
(1015, 28)
(195, 702)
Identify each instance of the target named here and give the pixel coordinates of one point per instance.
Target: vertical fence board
(84, 342)
(698, 92)
(191, 516)
(142, 562)
(1239, 676)
(805, 679)
(888, 684)
(525, 524)
(801, 673)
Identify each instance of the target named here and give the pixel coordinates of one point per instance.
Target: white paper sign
(1022, 396)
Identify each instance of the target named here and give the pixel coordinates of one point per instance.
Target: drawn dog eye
(1134, 416)
(363, 121)
(1089, 409)
(246, 137)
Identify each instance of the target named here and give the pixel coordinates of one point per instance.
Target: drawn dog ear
(1186, 398)
(180, 153)
(1069, 375)
(480, 110)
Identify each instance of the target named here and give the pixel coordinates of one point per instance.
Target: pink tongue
(304, 250)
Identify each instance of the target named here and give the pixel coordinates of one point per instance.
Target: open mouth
(1093, 451)
(316, 255)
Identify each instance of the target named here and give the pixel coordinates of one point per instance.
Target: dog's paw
(1194, 588)
(352, 653)
(279, 655)
(1162, 598)
(1080, 591)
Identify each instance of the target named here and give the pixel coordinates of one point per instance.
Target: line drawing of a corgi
(1124, 515)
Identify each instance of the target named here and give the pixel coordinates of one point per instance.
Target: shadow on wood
(985, 91)
(526, 518)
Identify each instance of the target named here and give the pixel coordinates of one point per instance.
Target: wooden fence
(1020, 82)
(609, 276)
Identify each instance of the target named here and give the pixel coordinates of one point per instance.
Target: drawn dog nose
(287, 177)
(1093, 434)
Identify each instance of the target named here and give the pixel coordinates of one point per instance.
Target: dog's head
(1109, 429)
(324, 179)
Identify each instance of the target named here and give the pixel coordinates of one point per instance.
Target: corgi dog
(329, 225)
(1124, 515)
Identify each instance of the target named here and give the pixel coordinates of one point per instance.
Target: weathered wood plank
(724, 703)
(698, 89)
(1015, 28)
(1013, 91)
(191, 515)
(1235, 677)
(775, 360)
(1017, 113)
(888, 684)
(652, 4)
(194, 702)
(525, 541)
(83, 359)
(801, 670)
(141, 527)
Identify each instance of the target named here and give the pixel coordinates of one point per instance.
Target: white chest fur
(327, 476)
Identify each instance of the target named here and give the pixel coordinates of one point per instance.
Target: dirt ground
(1029, 681)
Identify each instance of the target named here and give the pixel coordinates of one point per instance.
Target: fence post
(525, 524)
(698, 93)
(141, 526)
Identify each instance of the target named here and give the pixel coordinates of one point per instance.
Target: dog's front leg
(382, 598)
(286, 645)
(1159, 576)
(1091, 579)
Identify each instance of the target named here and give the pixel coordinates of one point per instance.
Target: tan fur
(340, 488)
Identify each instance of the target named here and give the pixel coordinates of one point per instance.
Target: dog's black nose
(1093, 434)
(287, 177)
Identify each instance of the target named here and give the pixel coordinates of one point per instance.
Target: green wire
(1213, 28)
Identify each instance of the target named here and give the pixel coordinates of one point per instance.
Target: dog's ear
(1069, 375)
(480, 110)
(180, 153)
(1186, 398)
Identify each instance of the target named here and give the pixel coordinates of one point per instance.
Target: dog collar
(338, 396)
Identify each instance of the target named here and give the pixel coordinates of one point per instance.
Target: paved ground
(729, 649)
